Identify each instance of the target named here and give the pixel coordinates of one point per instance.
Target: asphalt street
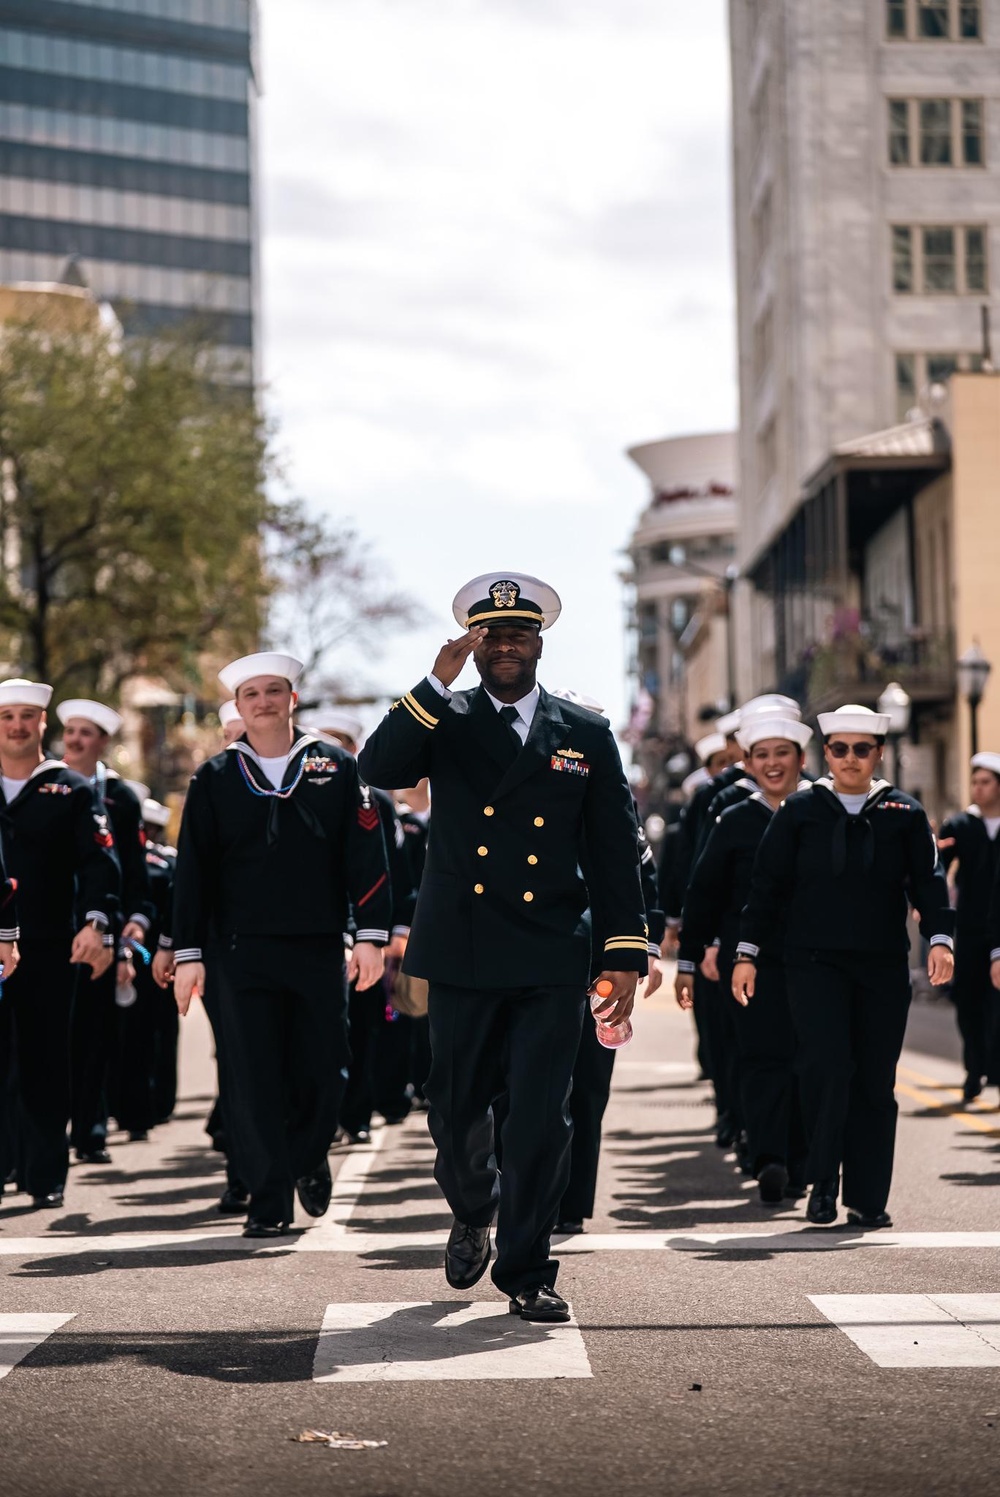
(718, 1346)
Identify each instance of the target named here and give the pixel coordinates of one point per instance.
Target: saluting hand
(189, 979)
(744, 978)
(452, 656)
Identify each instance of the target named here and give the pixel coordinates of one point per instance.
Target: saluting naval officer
(88, 728)
(60, 851)
(830, 883)
(525, 788)
(279, 844)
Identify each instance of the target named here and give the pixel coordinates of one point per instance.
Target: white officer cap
(138, 789)
(986, 761)
(712, 743)
(105, 718)
(266, 663)
(773, 704)
(761, 727)
(333, 720)
(229, 713)
(155, 813)
(853, 719)
(694, 780)
(567, 694)
(17, 692)
(506, 598)
(728, 724)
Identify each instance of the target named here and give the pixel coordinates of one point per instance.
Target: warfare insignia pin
(569, 753)
(505, 594)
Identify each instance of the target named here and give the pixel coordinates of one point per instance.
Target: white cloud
(496, 254)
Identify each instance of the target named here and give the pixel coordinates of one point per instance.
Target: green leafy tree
(132, 507)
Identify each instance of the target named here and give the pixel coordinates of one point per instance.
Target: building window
(939, 259)
(934, 20)
(936, 132)
(915, 372)
(902, 259)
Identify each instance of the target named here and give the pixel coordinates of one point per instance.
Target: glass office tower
(127, 142)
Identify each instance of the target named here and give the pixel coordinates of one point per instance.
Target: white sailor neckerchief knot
(244, 752)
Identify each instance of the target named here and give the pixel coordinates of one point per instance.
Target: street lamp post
(895, 704)
(973, 672)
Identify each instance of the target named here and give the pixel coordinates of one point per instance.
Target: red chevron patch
(367, 818)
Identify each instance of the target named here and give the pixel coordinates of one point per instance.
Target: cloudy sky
(496, 253)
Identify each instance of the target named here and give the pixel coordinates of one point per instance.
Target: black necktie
(510, 716)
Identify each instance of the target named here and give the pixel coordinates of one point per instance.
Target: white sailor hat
(761, 726)
(506, 598)
(986, 761)
(333, 720)
(266, 663)
(567, 694)
(138, 789)
(105, 718)
(853, 719)
(229, 713)
(774, 704)
(728, 724)
(17, 692)
(698, 777)
(155, 813)
(712, 743)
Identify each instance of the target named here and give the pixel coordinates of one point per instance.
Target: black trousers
(717, 1030)
(587, 1104)
(365, 1016)
(131, 1088)
(523, 1041)
(282, 1005)
(217, 1127)
(34, 1058)
(769, 1087)
(850, 1018)
(977, 1009)
(93, 1032)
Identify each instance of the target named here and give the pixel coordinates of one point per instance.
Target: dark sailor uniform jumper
(501, 932)
(763, 1031)
(834, 888)
(976, 1000)
(145, 1089)
(59, 849)
(270, 881)
(93, 1026)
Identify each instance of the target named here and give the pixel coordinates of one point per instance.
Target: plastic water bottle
(125, 994)
(611, 1036)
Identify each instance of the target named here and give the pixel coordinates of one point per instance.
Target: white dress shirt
(525, 707)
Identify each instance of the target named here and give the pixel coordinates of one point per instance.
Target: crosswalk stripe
(443, 1341)
(918, 1330)
(20, 1334)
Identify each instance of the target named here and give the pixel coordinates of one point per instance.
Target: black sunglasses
(859, 750)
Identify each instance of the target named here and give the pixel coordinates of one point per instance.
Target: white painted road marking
(442, 1342)
(918, 1330)
(20, 1334)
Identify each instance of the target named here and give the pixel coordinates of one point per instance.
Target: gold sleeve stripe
(415, 710)
(505, 617)
(625, 943)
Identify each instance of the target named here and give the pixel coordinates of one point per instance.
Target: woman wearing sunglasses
(832, 881)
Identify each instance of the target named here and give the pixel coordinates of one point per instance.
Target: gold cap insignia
(505, 594)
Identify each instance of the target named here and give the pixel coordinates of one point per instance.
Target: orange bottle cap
(604, 988)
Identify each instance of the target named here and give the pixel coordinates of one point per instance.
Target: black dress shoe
(315, 1190)
(93, 1156)
(972, 1088)
(725, 1133)
(51, 1202)
(539, 1304)
(361, 1137)
(568, 1229)
(467, 1255)
(255, 1228)
(795, 1190)
(771, 1183)
(822, 1207)
(869, 1221)
(138, 1136)
(234, 1200)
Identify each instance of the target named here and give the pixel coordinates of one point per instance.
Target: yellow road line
(968, 1120)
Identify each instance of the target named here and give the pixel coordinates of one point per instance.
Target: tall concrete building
(866, 141)
(127, 141)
